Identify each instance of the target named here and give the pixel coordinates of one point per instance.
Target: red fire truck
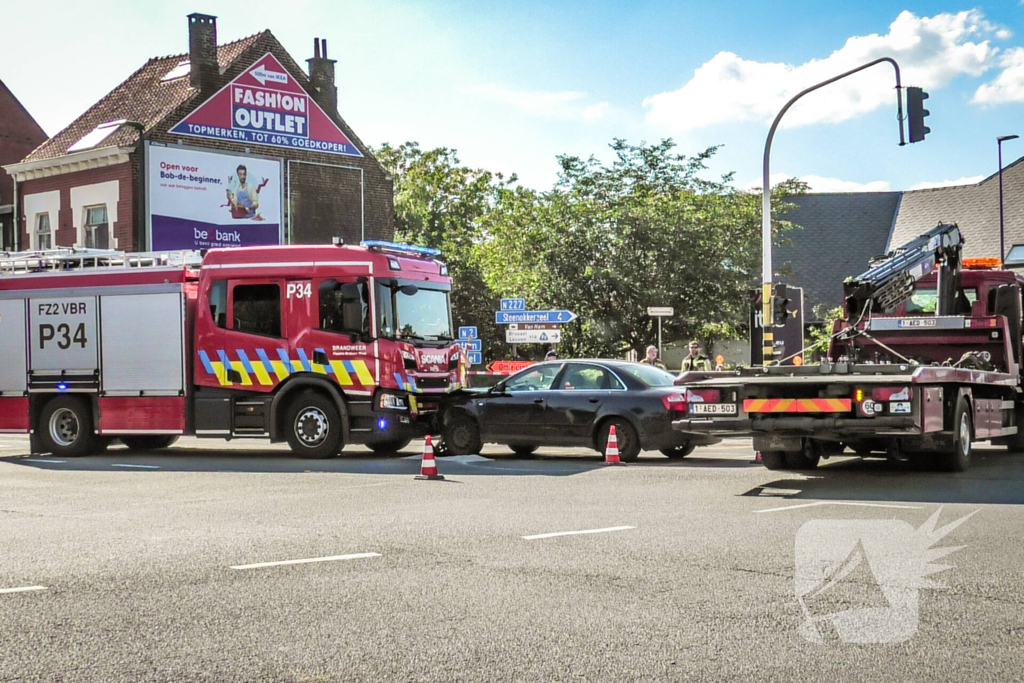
(319, 346)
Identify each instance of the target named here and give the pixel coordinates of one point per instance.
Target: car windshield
(422, 315)
(648, 374)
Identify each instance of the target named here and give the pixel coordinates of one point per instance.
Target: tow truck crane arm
(890, 280)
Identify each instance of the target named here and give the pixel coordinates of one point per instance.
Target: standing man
(695, 360)
(243, 197)
(652, 358)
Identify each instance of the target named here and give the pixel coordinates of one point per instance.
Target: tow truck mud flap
(774, 442)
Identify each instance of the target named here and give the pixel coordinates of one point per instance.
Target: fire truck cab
(320, 346)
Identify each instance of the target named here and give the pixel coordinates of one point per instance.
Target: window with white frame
(43, 235)
(97, 229)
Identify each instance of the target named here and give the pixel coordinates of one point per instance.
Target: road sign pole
(659, 336)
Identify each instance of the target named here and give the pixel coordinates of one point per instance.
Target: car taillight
(891, 393)
(705, 395)
(675, 403)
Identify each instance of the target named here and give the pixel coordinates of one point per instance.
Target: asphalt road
(133, 565)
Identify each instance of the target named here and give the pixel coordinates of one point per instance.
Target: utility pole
(766, 199)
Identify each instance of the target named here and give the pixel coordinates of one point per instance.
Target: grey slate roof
(975, 208)
(839, 232)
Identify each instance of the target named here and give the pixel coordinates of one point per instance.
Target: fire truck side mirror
(408, 290)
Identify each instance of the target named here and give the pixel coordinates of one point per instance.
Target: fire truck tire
(462, 436)
(1015, 443)
(312, 426)
(150, 442)
(392, 446)
(959, 458)
(65, 427)
(774, 460)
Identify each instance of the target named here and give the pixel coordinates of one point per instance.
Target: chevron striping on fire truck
(319, 346)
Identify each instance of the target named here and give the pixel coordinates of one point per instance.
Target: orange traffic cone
(611, 450)
(757, 457)
(428, 466)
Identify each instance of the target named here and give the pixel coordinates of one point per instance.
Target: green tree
(610, 240)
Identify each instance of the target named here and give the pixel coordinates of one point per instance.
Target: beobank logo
(265, 105)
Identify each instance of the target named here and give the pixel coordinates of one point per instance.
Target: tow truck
(320, 346)
(925, 362)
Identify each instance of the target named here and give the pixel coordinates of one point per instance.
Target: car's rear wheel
(625, 436)
(65, 427)
(148, 442)
(462, 436)
(678, 452)
(523, 451)
(313, 426)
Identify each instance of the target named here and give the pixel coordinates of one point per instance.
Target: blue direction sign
(467, 332)
(509, 317)
(513, 304)
(476, 358)
(471, 344)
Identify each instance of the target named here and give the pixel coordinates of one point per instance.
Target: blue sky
(513, 84)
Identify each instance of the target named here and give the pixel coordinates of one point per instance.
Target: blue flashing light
(62, 387)
(411, 249)
(382, 424)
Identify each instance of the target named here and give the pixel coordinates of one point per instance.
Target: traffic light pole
(766, 199)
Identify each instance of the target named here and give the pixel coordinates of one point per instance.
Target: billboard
(201, 200)
(264, 105)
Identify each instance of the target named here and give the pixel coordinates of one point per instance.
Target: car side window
(580, 377)
(534, 379)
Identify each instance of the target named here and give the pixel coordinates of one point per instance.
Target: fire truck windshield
(413, 312)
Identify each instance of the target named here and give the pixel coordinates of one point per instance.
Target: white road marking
(333, 558)
(23, 589)
(837, 502)
(574, 533)
(43, 460)
(141, 467)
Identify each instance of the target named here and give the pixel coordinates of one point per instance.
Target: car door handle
(538, 400)
(594, 400)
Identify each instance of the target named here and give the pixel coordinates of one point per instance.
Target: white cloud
(560, 105)
(966, 180)
(818, 183)
(931, 52)
(1008, 85)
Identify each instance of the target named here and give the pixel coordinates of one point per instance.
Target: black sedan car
(572, 403)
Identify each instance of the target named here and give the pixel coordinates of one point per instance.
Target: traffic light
(780, 305)
(916, 113)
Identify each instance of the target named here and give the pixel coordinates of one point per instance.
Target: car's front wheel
(462, 436)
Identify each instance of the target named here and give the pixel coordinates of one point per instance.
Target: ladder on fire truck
(73, 258)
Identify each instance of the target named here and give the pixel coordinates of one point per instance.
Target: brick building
(19, 135)
(232, 142)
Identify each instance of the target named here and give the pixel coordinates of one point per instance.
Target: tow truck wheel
(462, 436)
(148, 442)
(805, 459)
(774, 460)
(959, 459)
(65, 427)
(523, 451)
(392, 446)
(313, 426)
(678, 452)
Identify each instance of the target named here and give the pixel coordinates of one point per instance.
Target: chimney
(202, 52)
(321, 75)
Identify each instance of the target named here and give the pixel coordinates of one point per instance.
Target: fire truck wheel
(313, 426)
(392, 446)
(959, 459)
(65, 427)
(462, 436)
(625, 435)
(148, 442)
(678, 452)
(774, 460)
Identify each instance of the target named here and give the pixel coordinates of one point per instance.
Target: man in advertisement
(243, 198)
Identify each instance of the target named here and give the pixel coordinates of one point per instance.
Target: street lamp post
(999, 143)
(766, 201)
